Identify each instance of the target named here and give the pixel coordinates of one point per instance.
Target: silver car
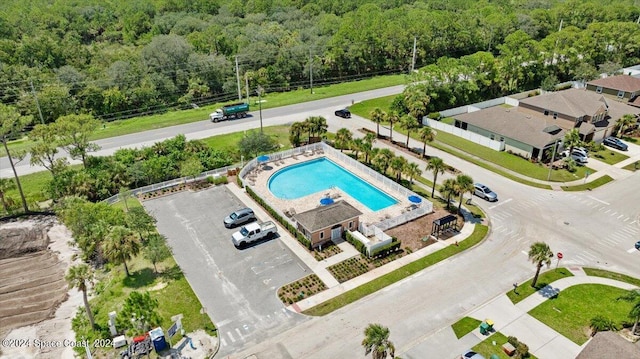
(485, 192)
(239, 217)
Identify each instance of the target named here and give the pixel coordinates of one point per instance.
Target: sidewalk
(513, 319)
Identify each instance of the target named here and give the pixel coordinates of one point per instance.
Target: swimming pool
(321, 174)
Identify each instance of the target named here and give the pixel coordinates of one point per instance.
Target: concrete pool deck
(258, 179)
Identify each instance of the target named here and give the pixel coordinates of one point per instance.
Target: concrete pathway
(513, 319)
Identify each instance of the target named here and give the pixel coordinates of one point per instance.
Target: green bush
(356, 243)
(218, 180)
(386, 249)
(434, 115)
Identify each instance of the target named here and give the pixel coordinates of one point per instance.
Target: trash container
(157, 337)
(489, 323)
(484, 328)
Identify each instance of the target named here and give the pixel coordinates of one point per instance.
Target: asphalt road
(206, 128)
(237, 287)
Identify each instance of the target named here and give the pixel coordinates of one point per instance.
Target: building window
(546, 112)
(555, 115)
(501, 139)
(492, 136)
(620, 94)
(322, 235)
(599, 89)
(350, 224)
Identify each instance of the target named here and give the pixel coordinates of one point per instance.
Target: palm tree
(295, 131)
(436, 165)
(6, 184)
(307, 127)
(449, 189)
(383, 159)
(623, 122)
(397, 165)
(357, 146)
(121, 245)
(319, 125)
(343, 138)
(376, 341)
(464, 184)
(367, 146)
(572, 139)
(416, 100)
(426, 135)
(633, 296)
(539, 254)
(601, 324)
(377, 116)
(392, 117)
(412, 170)
(79, 276)
(409, 123)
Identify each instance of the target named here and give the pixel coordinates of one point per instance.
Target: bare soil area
(34, 298)
(416, 234)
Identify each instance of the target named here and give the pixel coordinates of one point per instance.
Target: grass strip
(590, 185)
(608, 156)
(570, 313)
(632, 166)
(465, 326)
(612, 275)
(392, 277)
(525, 289)
(487, 349)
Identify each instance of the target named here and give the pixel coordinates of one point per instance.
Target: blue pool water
(321, 174)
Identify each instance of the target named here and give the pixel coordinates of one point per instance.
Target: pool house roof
(326, 216)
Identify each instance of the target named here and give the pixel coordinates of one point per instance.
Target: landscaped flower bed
(300, 289)
(194, 186)
(356, 266)
(326, 252)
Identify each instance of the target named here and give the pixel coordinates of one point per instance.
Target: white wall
(467, 135)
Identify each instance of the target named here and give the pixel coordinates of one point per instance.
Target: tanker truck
(235, 110)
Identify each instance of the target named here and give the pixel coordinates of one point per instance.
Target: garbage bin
(489, 323)
(484, 328)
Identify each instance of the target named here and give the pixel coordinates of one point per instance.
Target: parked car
(485, 192)
(579, 158)
(344, 113)
(638, 245)
(239, 217)
(470, 354)
(253, 232)
(580, 151)
(615, 143)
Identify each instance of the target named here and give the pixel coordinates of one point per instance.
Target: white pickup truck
(253, 232)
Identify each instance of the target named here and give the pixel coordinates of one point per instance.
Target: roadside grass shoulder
(589, 185)
(397, 275)
(525, 289)
(612, 275)
(570, 313)
(270, 100)
(632, 166)
(364, 108)
(465, 326)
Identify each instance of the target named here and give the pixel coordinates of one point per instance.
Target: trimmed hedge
(356, 243)
(386, 249)
(217, 180)
(294, 232)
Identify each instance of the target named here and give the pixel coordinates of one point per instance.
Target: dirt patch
(415, 234)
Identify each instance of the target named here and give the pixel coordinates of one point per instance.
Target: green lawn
(571, 312)
(229, 141)
(632, 166)
(589, 185)
(270, 100)
(132, 202)
(525, 289)
(465, 326)
(608, 156)
(397, 275)
(612, 275)
(486, 347)
(364, 108)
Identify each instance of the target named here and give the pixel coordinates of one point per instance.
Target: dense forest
(120, 58)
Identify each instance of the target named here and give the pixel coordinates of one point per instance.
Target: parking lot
(237, 287)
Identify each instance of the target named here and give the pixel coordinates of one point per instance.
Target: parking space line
(233, 340)
(223, 342)
(239, 333)
(501, 203)
(598, 200)
(525, 253)
(620, 216)
(609, 210)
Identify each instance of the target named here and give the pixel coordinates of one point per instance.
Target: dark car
(344, 113)
(638, 245)
(485, 192)
(615, 143)
(239, 217)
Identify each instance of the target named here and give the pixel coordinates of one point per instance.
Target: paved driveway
(237, 287)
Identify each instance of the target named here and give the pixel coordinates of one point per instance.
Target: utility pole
(310, 71)
(35, 96)
(246, 84)
(238, 79)
(259, 91)
(413, 60)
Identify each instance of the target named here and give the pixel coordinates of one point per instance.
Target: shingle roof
(326, 216)
(609, 345)
(619, 109)
(620, 82)
(509, 122)
(573, 102)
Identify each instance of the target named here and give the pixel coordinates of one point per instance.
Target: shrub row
(294, 232)
(386, 249)
(217, 180)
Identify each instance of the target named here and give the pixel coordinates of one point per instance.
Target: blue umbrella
(263, 158)
(326, 201)
(414, 199)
